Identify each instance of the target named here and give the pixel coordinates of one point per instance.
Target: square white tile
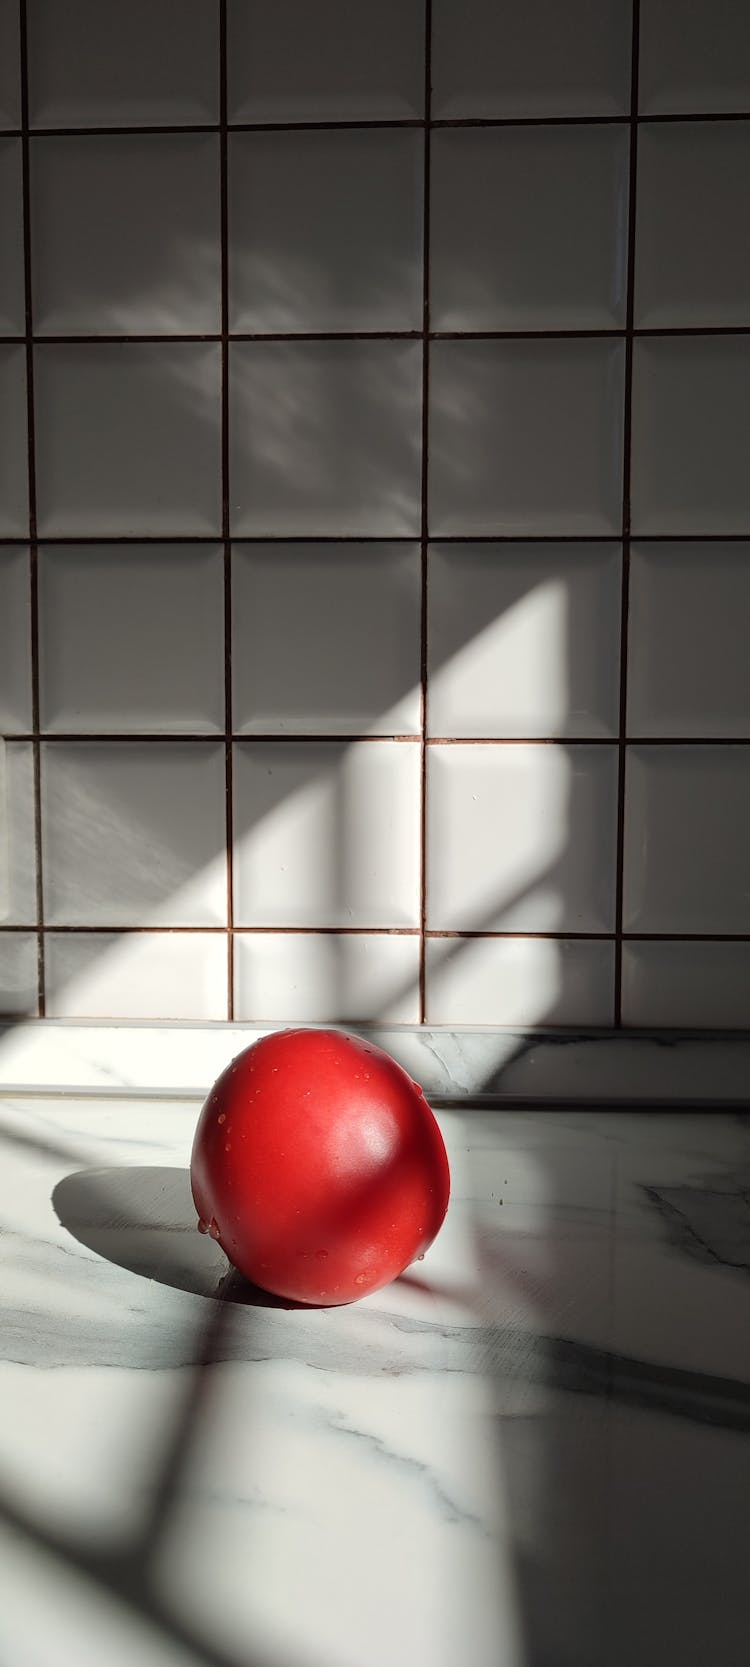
(521, 838)
(326, 639)
(691, 435)
(134, 833)
(15, 640)
(133, 63)
(18, 975)
(136, 975)
(692, 246)
(12, 298)
(131, 638)
(688, 661)
(326, 977)
(14, 479)
(687, 837)
(326, 438)
(699, 985)
(326, 835)
(521, 982)
(694, 58)
(526, 437)
(17, 843)
(10, 65)
(125, 234)
(535, 59)
(127, 438)
(325, 230)
(339, 60)
(523, 639)
(528, 227)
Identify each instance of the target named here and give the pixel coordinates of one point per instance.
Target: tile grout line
(626, 517)
(225, 503)
(424, 514)
(32, 540)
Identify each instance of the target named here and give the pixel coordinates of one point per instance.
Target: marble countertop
(530, 1451)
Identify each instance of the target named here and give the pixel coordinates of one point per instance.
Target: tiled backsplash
(375, 511)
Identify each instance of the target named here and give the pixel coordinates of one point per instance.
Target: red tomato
(319, 1166)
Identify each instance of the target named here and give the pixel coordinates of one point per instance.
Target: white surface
(325, 230)
(12, 304)
(131, 638)
(351, 62)
(91, 69)
(691, 435)
(519, 981)
(523, 639)
(521, 838)
(290, 976)
(326, 835)
(134, 833)
(326, 639)
(326, 438)
(127, 438)
(15, 640)
(694, 57)
(528, 228)
(693, 252)
(526, 437)
(125, 234)
(538, 59)
(698, 984)
(687, 836)
(14, 496)
(456, 1062)
(559, 1387)
(688, 661)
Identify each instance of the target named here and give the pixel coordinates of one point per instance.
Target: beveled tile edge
(455, 1065)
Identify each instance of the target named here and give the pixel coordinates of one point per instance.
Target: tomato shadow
(143, 1219)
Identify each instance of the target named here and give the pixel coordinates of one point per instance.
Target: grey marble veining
(530, 1451)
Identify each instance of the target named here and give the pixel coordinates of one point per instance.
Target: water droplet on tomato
(222, 1117)
(214, 1228)
(228, 1146)
(202, 1225)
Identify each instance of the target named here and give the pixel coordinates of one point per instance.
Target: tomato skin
(319, 1166)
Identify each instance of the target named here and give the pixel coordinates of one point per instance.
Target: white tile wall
(325, 438)
(12, 300)
(316, 977)
(14, 492)
(536, 59)
(523, 639)
(521, 838)
(526, 437)
(694, 57)
(341, 60)
(123, 65)
(15, 641)
(687, 839)
(688, 660)
(358, 670)
(127, 438)
(131, 638)
(311, 579)
(125, 234)
(691, 435)
(326, 835)
(325, 230)
(528, 227)
(692, 244)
